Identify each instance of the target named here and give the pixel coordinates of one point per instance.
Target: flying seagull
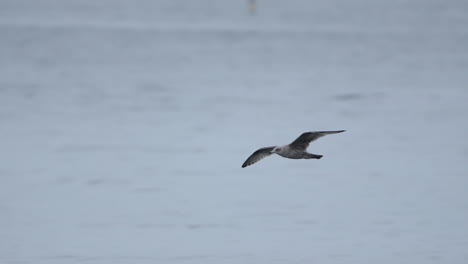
(295, 150)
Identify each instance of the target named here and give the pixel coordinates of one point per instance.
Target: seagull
(295, 150)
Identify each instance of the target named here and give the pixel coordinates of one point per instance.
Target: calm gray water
(123, 126)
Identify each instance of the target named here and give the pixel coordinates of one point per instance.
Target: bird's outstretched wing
(258, 155)
(303, 141)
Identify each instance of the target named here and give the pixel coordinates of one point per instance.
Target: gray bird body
(291, 153)
(296, 150)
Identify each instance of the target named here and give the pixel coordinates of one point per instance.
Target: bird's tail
(313, 156)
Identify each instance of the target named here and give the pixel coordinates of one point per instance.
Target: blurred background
(123, 126)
